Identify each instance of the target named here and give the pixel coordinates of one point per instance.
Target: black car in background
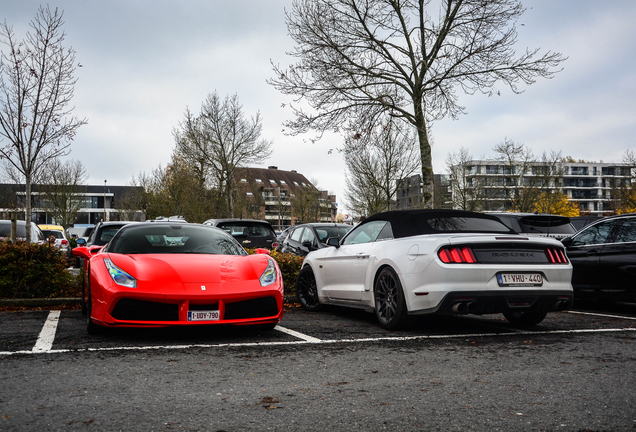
(305, 238)
(540, 225)
(580, 222)
(250, 233)
(102, 233)
(603, 256)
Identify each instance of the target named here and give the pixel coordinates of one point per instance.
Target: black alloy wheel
(307, 290)
(390, 306)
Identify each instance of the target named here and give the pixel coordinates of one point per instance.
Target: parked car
(580, 222)
(401, 264)
(5, 231)
(250, 233)
(103, 233)
(169, 219)
(79, 232)
(305, 238)
(603, 257)
(538, 225)
(167, 274)
(100, 235)
(282, 235)
(57, 232)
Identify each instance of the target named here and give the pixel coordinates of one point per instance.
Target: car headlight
(269, 275)
(119, 276)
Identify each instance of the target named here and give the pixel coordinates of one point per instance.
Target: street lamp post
(104, 201)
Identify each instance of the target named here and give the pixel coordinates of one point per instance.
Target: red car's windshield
(159, 238)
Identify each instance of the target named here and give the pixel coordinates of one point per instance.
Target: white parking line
(602, 315)
(47, 335)
(297, 334)
(330, 341)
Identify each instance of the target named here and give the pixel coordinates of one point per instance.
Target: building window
(492, 169)
(580, 171)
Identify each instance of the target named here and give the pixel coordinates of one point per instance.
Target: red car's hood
(191, 268)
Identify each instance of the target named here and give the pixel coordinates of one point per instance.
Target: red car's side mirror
(82, 252)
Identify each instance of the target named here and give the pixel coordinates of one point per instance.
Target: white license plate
(204, 315)
(520, 279)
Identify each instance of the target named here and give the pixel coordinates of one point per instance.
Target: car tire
(83, 298)
(91, 328)
(525, 318)
(307, 290)
(390, 305)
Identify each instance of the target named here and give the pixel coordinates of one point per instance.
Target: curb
(39, 301)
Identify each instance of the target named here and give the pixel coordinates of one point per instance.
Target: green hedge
(34, 271)
(39, 271)
(289, 265)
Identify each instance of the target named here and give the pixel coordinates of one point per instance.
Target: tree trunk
(425, 157)
(27, 208)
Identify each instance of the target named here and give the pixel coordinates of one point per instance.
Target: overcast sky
(144, 62)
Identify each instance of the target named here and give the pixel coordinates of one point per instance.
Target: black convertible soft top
(407, 223)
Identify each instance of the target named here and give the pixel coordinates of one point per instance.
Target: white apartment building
(592, 185)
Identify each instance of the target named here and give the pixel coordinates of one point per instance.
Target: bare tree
(306, 203)
(221, 139)
(626, 191)
(358, 60)
(524, 177)
(61, 187)
(36, 87)
(468, 188)
(375, 164)
(175, 190)
(517, 161)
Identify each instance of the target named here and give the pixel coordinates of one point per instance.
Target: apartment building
(592, 185)
(270, 194)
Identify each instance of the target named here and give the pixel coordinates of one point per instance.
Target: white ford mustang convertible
(406, 263)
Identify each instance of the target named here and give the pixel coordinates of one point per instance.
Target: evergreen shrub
(35, 271)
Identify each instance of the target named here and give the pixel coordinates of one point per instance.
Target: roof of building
(272, 177)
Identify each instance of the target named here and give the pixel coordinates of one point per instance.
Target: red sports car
(168, 274)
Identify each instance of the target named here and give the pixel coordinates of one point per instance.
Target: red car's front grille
(254, 308)
(142, 310)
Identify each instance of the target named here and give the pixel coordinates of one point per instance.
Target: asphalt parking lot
(36, 332)
(332, 370)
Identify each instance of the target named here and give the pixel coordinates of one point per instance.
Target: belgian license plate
(520, 279)
(204, 315)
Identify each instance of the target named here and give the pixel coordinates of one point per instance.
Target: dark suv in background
(603, 257)
(250, 233)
